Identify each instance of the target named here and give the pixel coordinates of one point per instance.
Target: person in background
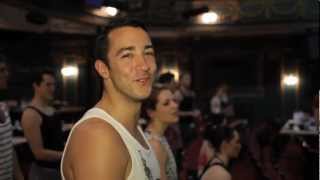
(220, 102)
(226, 144)
(42, 129)
(107, 143)
(173, 133)
(162, 111)
(9, 166)
(316, 110)
(4, 75)
(207, 151)
(187, 111)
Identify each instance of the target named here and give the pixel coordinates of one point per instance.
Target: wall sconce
(70, 71)
(290, 80)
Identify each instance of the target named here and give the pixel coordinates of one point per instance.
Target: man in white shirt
(114, 150)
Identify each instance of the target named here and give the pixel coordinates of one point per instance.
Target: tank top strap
(123, 132)
(42, 114)
(35, 109)
(210, 164)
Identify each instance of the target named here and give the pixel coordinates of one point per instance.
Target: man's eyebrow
(149, 47)
(130, 48)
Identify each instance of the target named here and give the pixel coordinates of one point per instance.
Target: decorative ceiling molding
(251, 20)
(14, 18)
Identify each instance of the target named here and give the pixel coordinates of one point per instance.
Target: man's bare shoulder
(96, 124)
(97, 131)
(95, 147)
(30, 117)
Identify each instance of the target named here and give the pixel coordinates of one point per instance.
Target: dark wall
(30, 52)
(250, 65)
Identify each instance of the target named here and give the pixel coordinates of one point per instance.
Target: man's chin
(142, 96)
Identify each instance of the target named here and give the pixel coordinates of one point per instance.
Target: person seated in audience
(42, 130)
(161, 110)
(227, 146)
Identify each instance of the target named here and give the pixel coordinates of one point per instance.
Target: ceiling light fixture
(209, 17)
(106, 11)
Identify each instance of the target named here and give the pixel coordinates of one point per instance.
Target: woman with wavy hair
(161, 110)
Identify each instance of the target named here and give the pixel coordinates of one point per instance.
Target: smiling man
(107, 143)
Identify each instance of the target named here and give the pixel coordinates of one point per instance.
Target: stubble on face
(47, 87)
(131, 62)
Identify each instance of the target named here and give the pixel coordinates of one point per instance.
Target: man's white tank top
(144, 163)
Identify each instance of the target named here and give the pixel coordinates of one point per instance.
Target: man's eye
(126, 56)
(150, 53)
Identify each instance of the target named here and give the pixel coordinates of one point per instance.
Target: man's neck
(39, 102)
(121, 109)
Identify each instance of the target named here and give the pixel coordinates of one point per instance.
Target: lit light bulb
(69, 71)
(209, 17)
(106, 11)
(291, 80)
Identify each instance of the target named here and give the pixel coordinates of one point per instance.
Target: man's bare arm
(31, 122)
(96, 151)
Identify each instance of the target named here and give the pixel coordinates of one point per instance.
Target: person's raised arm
(96, 151)
(31, 122)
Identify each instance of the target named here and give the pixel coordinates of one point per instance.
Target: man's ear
(102, 69)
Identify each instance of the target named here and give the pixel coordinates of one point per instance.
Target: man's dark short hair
(102, 42)
(38, 76)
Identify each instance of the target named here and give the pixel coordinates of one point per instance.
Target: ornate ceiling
(167, 18)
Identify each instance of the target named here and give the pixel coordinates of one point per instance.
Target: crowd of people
(111, 141)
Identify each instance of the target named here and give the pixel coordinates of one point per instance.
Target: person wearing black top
(43, 130)
(227, 146)
(187, 111)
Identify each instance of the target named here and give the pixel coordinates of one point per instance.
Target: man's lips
(143, 80)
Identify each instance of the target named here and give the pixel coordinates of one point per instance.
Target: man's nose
(142, 63)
